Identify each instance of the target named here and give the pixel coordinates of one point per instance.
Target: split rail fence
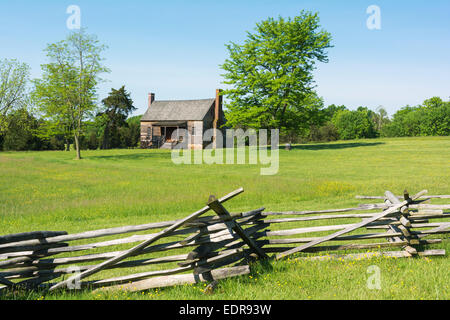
(209, 248)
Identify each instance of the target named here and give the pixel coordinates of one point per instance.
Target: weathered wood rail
(34, 259)
(404, 224)
(207, 248)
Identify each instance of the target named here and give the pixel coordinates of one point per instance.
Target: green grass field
(51, 191)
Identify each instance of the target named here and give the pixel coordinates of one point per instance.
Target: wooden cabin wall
(145, 137)
(196, 140)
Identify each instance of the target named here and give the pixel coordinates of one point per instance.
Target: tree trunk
(105, 142)
(282, 119)
(67, 144)
(77, 146)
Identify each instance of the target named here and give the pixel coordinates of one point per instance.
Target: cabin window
(193, 131)
(149, 131)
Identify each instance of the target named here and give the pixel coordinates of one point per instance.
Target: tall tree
(271, 74)
(380, 117)
(67, 91)
(14, 77)
(118, 105)
(54, 95)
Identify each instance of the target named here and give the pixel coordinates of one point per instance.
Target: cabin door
(169, 132)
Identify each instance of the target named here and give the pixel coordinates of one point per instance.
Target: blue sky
(174, 48)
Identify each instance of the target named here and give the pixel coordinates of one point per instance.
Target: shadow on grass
(334, 146)
(134, 156)
(261, 266)
(167, 154)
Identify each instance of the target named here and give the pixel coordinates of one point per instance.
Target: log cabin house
(196, 116)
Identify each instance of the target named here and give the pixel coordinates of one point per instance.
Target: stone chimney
(218, 106)
(217, 112)
(151, 98)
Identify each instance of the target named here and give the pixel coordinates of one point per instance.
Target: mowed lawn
(51, 191)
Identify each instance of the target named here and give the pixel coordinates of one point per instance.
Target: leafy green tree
(328, 112)
(57, 132)
(90, 140)
(134, 124)
(117, 106)
(322, 129)
(435, 115)
(14, 77)
(405, 123)
(66, 94)
(298, 124)
(354, 124)
(271, 74)
(20, 132)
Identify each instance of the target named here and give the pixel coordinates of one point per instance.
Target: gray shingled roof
(177, 110)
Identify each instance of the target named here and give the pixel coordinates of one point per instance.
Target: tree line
(110, 128)
(431, 118)
(270, 85)
(59, 109)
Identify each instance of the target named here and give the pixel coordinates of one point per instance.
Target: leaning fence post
(144, 244)
(218, 208)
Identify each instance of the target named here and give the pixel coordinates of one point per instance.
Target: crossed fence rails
(207, 248)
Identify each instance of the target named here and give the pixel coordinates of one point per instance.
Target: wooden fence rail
(204, 248)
